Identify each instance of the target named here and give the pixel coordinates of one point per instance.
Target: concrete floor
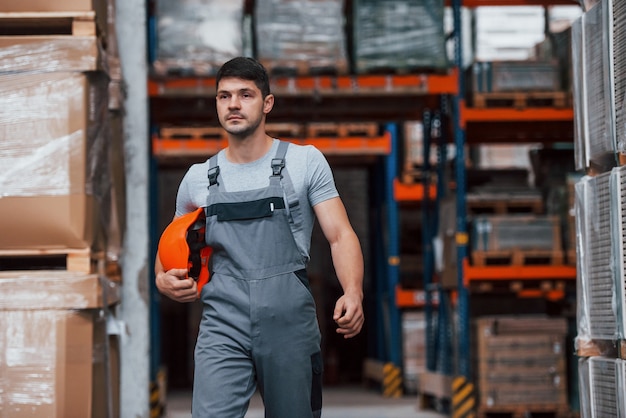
(339, 402)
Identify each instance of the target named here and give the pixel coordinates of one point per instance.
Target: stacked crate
(59, 275)
(521, 365)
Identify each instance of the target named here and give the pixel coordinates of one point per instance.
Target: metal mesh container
(618, 230)
(579, 95)
(597, 72)
(617, 36)
(597, 317)
(603, 378)
(400, 35)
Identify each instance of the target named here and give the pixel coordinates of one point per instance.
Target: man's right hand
(176, 285)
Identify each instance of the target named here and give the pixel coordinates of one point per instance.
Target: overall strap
(214, 173)
(214, 177)
(282, 176)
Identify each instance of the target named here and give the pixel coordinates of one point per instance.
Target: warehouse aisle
(339, 402)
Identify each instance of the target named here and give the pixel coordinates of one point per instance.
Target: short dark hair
(245, 68)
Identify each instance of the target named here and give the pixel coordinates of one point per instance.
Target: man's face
(240, 106)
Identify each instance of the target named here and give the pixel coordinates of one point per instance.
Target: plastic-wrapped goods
(302, 36)
(597, 300)
(54, 166)
(53, 363)
(399, 35)
(527, 75)
(64, 35)
(588, 4)
(47, 6)
(49, 53)
(198, 36)
(512, 232)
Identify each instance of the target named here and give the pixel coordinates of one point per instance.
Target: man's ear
(268, 103)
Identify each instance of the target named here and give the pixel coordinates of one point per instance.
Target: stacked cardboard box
(414, 348)
(58, 64)
(521, 364)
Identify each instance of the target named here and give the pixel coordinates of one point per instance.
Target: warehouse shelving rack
(402, 96)
(473, 126)
(387, 99)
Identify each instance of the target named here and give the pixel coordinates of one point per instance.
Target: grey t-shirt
(308, 169)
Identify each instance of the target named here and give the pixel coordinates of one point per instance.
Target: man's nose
(234, 102)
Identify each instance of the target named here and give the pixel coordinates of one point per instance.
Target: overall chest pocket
(237, 211)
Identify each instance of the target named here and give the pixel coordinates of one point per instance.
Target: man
(259, 327)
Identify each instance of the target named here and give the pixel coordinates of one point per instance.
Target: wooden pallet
(174, 67)
(517, 257)
(505, 206)
(518, 286)
(601, 348)
(69, 259)
(412, 176)
(342, 130)
(48, 23)
(525, 411)
(294, 67)
(521, 100)
(192, 132)
(285, 130)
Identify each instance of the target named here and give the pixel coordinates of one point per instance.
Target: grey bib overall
(259, 324)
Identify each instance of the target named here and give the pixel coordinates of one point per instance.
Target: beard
(243, 130)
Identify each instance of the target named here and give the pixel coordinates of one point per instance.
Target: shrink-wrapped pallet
(197, 36)
(301, 36)
(398, 35)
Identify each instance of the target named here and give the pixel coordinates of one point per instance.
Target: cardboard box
(49, 53)
(49, 289)
(46, 6)
(97, 9)
(54, 170)
(46, 363)
(56, 358)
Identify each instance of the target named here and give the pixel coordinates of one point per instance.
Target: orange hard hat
(183, 246)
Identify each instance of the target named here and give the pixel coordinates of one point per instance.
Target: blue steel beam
(463, 335)
(393, 250)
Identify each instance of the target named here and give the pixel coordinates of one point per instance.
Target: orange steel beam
(397, 83)
(477, 3)
(332, 146)
(552, 295)
(412, 192)
(469, 114)
(477, 273)
(413, 298)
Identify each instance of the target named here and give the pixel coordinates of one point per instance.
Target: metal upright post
(463, 338)
(428, 270)
(393, 256)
